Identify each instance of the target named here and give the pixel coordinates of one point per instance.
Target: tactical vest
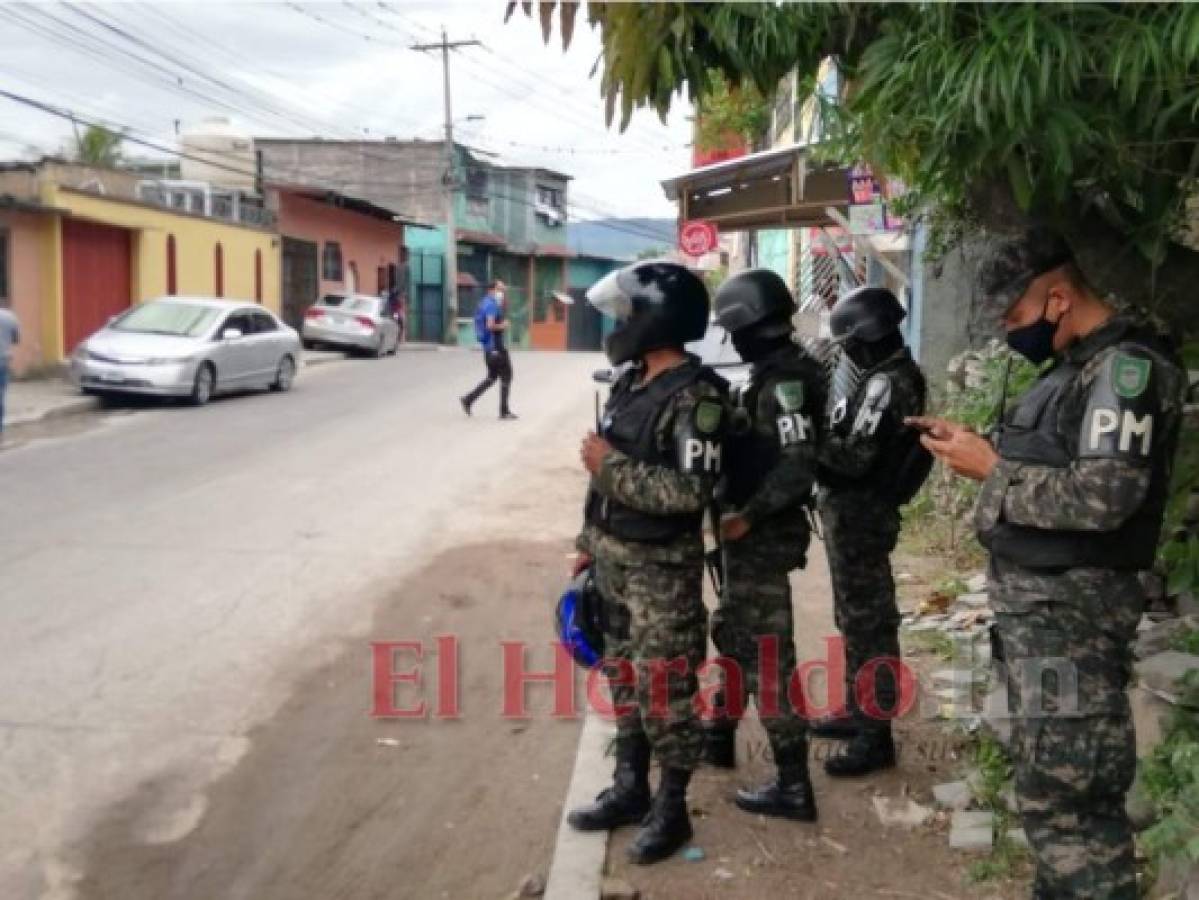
(750, 453)
(903, 464)
(630, 425)
(1030, 435)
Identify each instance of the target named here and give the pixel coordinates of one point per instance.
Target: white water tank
(218, 152)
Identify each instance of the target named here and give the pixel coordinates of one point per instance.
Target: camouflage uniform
(783, 401)
(653, 592)
(860, 517)
(1067, 538)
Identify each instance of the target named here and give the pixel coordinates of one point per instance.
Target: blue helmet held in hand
(578, 620)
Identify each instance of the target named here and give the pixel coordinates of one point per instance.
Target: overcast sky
(337, 69)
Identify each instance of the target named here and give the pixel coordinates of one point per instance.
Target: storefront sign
(698, 237)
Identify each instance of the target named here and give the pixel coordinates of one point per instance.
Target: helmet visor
(609, 297)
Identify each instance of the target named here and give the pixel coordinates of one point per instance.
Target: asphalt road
(169, 576)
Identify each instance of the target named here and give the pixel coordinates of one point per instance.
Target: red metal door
(96, 277)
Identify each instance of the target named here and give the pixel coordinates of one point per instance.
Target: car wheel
(285, 375)
(204, 385)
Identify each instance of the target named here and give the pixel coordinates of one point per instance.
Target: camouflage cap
(1005, 275)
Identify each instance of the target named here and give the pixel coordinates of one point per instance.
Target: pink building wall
(27, 274)
(367, 242)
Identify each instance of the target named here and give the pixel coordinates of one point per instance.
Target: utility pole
(450, 183)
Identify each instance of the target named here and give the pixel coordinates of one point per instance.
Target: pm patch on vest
(875, 403)
(1121, 409)
(699, 442)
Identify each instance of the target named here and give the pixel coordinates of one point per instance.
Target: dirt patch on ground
(331, 803)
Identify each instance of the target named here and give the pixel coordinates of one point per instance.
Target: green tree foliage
(1082, 115)
(731, 111)
(98, 146)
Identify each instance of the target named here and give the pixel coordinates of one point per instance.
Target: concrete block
(972, 830)
(953, 795)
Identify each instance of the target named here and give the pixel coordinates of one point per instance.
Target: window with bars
(331, 261)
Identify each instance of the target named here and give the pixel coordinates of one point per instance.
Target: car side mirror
(231, 334)
(603, 376)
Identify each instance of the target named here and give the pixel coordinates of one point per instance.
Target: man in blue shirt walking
(490, 327)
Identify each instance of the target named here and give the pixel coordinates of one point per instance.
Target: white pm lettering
(696, 450)
(868, 421)
(1106, 422)
(793, 428)
(839, 412)
(1103, 421)
(1132, 427)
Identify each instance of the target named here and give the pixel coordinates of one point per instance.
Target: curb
(577, 869)
(61, 411)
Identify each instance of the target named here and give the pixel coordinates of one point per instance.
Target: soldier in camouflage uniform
(653, 467)
(770, 471)
(1074, 487)
(870, 464)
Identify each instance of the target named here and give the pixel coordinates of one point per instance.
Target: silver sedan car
(191, 347)
(354, 322)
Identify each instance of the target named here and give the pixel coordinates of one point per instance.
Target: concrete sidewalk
(49, 398)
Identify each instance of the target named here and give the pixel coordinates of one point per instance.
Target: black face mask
(751, 347)
(1035, 342)
(868, 355)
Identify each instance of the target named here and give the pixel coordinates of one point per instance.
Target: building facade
(510, 223)
(333, 244)
(80, 247)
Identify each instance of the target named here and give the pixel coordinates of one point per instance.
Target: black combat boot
(787, 797)
(841, 726)
(628, 800)
(720, 746)
(871, 750)
(667, 827)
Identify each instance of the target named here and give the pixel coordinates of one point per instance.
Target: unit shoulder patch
(1130, 375)
(790, 395)
(708, 414)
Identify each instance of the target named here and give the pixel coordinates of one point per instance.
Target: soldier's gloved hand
(733, 527)
(593, 451)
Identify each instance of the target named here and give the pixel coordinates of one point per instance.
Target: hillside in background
(621, 238)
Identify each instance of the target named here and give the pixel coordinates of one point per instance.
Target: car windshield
(361, 304)
(178, 319)
(332, 300)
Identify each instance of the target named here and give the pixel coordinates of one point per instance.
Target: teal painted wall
(773, 249)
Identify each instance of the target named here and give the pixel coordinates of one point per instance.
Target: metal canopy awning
(771, 189)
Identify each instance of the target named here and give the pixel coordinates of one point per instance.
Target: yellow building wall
(196, 239)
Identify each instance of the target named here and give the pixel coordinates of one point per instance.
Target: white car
(714, 349)
(193, 347)
(353, 322)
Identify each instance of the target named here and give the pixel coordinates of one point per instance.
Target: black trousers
(499, 368)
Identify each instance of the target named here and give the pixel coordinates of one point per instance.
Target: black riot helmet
(656, 304)
(867, 314)
(757, 301)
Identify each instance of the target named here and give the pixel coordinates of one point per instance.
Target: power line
(127, 136)
(530, 95)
